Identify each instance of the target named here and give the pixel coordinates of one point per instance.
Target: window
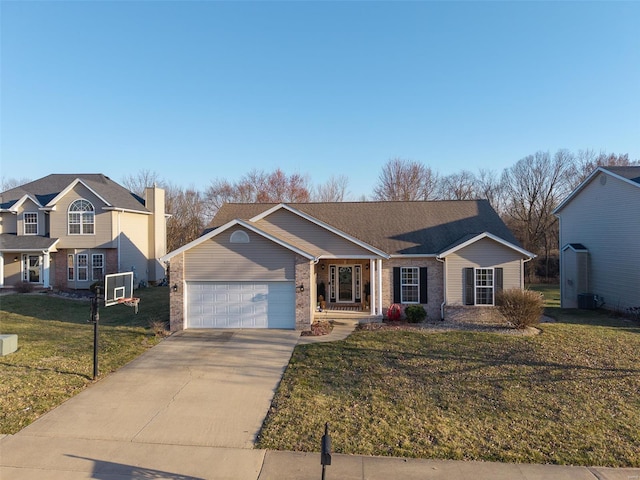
(97, 266)
(81, 218)
(484, 286)
(239, 236)
(481, 285)
(409, 285)
(70, 271)
(83, 267)
(30, 223)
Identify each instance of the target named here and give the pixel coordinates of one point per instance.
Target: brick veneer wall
(303, 299)
(176, 299)
(435, 287)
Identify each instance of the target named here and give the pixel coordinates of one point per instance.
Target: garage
(240, 305)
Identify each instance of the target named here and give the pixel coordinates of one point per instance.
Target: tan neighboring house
(265, 265)
(67, 231)
(600, 241)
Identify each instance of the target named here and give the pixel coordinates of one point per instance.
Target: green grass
(551, 293)
(570, 395)
(54, 360)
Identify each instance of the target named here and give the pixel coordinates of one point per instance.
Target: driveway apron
(197, 388)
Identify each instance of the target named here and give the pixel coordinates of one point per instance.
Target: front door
(31, 268)
(345, 284)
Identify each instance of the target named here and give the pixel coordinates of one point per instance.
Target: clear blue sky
(199, 90)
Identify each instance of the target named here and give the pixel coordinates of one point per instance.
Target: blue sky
(199, 90)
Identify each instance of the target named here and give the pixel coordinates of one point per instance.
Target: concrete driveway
(162, 413)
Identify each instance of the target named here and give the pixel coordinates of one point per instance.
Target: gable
(309, 236)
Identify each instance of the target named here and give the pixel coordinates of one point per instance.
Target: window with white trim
(410, 285)
(30, 220)
(81, 218)
(70, 269)
(82, 260)
(97, 267)
(484, 286)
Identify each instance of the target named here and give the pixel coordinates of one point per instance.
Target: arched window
(81, 218)
(239, 236)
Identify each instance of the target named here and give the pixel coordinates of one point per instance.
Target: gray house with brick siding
(265, 265)
(67, 231)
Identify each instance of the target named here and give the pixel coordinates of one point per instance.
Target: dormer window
(81, 218)
(239, 236)
(30, 223)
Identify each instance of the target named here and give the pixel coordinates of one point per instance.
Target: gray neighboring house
(69, 230)
(264, 265)
(600, 241)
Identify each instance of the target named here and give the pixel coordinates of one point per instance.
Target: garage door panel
(240, 305)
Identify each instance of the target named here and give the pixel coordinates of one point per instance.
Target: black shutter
(396, 285)
(498, 282)
(469, 286)
(423, 284)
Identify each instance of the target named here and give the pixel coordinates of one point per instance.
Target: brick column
(303, 299)
(176, 298)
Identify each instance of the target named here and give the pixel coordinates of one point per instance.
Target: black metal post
(95, 317)
(325, 449)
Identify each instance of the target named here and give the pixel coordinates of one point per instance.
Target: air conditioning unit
(587, 301)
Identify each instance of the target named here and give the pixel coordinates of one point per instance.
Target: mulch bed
(322, 327)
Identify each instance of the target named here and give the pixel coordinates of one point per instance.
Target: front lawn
(54, 360)
(570, 395)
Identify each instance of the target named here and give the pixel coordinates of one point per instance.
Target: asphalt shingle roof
(630, 173)
(47, 188)
(407, 228)
(13, 242)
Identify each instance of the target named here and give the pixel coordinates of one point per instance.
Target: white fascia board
(492, 237)
(14, 208)
(69, 187)
(126, 210)
(321, 224)
(227, 226)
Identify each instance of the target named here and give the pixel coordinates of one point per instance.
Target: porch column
(46, 265)
(372, 287)
(379, 273)
(1, 269)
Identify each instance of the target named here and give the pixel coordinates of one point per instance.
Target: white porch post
(1, 270)
(46, 265)
(372, 287)
(379, 273)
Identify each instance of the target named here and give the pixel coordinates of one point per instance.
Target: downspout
(444, 287)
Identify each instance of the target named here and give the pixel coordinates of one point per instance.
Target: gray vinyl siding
(484, 253)
(102, 238)
(308, 236)
(8, 223)
(218, 259)
(606, 220)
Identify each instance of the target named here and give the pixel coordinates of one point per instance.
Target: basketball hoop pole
(95, 317)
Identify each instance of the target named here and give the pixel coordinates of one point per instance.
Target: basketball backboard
(118, 287)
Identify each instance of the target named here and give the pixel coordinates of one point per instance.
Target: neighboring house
(68, 231)
(600, 241)
(261, 264)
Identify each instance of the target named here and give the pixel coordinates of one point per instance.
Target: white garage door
(240, 305)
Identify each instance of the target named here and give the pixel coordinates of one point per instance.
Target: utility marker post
(325, 453)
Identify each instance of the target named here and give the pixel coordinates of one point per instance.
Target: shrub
(24, 287)
(415, 313)
(394, 312)
(522, 308)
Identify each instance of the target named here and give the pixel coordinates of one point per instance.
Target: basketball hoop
(130, 302)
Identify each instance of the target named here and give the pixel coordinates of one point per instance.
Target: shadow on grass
(44, 369)
(599, 318)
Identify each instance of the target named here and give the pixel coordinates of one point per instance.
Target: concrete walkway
(191, 407)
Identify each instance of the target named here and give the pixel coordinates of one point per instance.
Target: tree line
(524, 194)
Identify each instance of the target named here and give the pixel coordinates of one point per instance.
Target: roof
(46, 189)
(398, 228)
(629, 175)
(576, 247)
(10, 242)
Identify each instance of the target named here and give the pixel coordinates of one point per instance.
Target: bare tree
(258, 187)
(534, 186)
(489, 187)
(137, 182)
(587, 161)
(402, 179)
(188, 216)
(334, 190)
(458, 186)
(9, 183)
